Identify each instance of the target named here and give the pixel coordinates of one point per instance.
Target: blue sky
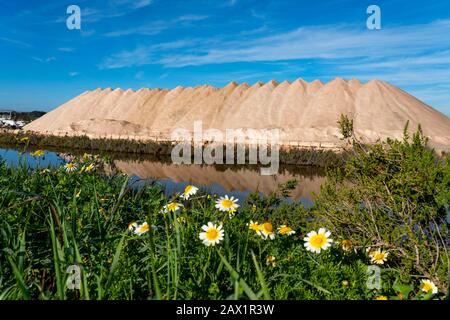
(166, 43)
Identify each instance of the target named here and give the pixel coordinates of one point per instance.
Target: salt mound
(303, 112)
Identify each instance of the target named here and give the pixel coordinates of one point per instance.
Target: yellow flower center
(172, 206)
(254, 227)
(267, 227)
(379, 256)
(318, 240)
(427, 287)
(227, 203)
(212, 234)
(187, 189)
(285, 230)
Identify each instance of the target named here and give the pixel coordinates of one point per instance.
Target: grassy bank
(81, 144)
(385, 208)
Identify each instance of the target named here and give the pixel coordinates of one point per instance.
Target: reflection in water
(238, 181)
(223, 179)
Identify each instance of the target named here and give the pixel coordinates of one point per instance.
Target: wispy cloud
(44, 60)
(16, 42)
(324, 42)
(156, 27)
(144, 55)
(66, 49)
(138, 57)
(135, 4)
(73, 74)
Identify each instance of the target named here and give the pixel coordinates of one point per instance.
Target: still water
(237, 181)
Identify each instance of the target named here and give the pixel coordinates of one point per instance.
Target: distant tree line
(26, 116)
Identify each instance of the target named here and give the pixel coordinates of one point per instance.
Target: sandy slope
(304, 112)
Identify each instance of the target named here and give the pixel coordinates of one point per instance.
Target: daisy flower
(70, 167)
(253, 226)
(172, 207)
(378, 256)
(266, 231)
(428, 286)
(271, 261)
(189, 191)
(212, 234)
(317, 241)
(227, 204)
(285, 230)
(141, 229)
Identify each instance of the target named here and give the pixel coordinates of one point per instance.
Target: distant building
(6, 114)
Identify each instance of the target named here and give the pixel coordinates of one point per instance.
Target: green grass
(51, 220)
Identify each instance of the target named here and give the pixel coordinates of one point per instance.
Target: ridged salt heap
(304, 112)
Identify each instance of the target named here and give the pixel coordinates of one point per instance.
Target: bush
(395, 196)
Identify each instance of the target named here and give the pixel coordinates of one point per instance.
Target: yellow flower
(428, 286)
(212, 234)
(172, 207)
(266, 231)
(381, 298)
(227, 204)
(378, 256)
(347, 245)
(317, 241)
(189, 191)
(253, 226)
(78, 194)
(141, 229)
(285, 230)
(24, 139)
(70, 167)
(271, 260)
(38, 153)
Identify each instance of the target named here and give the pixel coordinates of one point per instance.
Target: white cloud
(156, 27)
(73, 73)
(138, 57)
(143, 54)
(44, 60)
(16, 42)
(134, 4)
(324, 42)
(142, 3)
